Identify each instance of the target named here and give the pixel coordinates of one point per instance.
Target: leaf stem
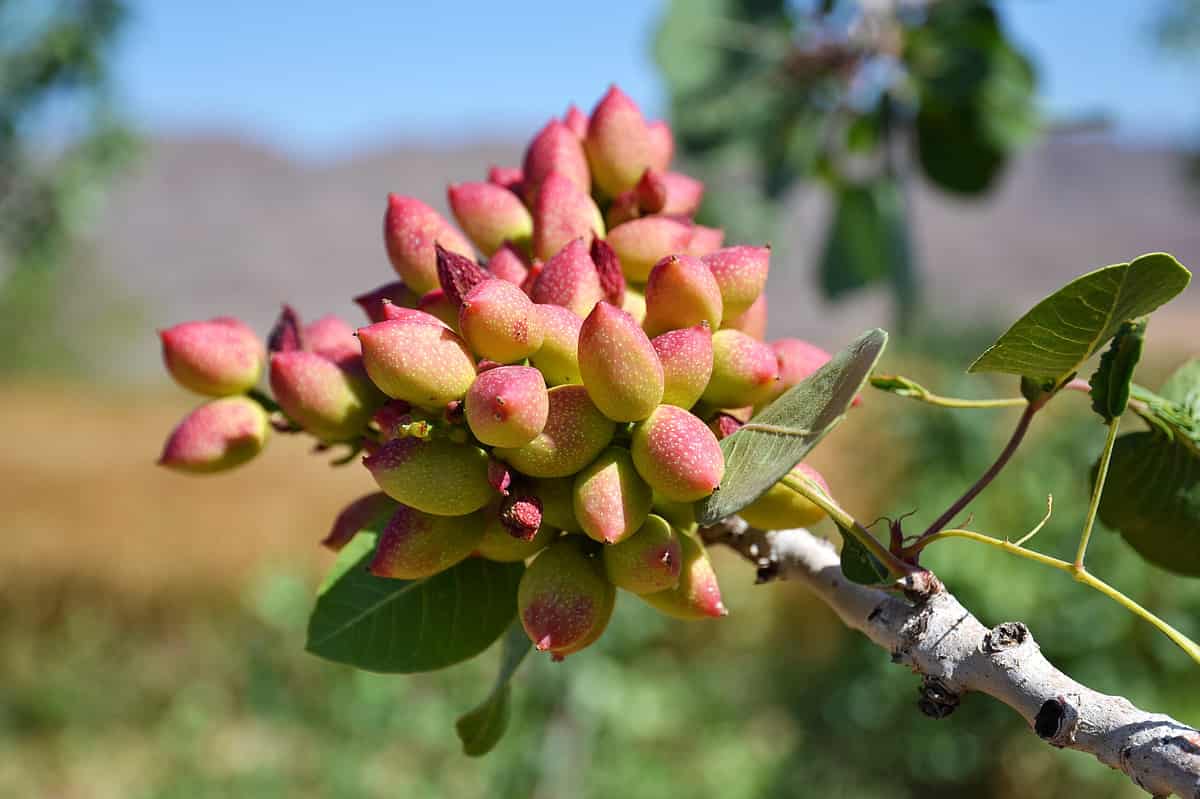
(1013, 442)
(1097, 490)
(913, 390)
(1182, 641)
(813, 493)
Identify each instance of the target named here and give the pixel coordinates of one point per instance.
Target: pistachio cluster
(560, 398)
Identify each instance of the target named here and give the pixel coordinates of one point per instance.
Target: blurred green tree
(855, 95)
(60, 143)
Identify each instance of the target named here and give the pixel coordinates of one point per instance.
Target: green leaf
(404, 626)
(858, 564)
(1152, 496)
(1111, 380)
(482, 728)
(759, 454)
(867, 241)
(1175, 414)
(1054, 339)
(1183, 387)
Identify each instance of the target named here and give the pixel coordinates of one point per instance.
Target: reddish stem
(1022, 427)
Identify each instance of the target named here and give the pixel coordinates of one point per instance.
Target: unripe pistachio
(410, 230)
(434, 475)
(619, 366)
(705, 240)
(741, 272)
(358, 515)
(697, 596)
(677, 455)
(440, 306)
(426, 365)
(415, 545)
(576, 121)
(562, 212)
(611, 501)
(501, 546)
(564, 598)
(216, 358)
(752, 322)
(744, 370)
(490, 215)
(507, 263)
(648, 561)
(332, 338)
(558, 502)
(575, 433)
(781, 508)
(508, 177)
(608, 267)
(617, 143)
(569, 279)
(681, 292)
(374, 303)
(218, 435)
(500, 322)
(641, 243)
(635, 302)
(687, 360)
(670, 193)
(328, 401)
(507, 406)
(662, 144)
(558, 358)
(555, 149)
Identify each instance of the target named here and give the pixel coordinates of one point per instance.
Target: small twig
(1049, 510)
(988, 476)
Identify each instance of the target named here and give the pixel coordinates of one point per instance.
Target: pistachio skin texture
(697, 596)
(575, 433)
(564, 599)
(415, 545)
(648, 561)
(677, 455)
(437, 476)
(610, 499)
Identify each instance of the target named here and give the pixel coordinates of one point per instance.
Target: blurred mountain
(213, 224)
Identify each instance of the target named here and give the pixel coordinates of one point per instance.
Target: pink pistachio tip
(457, 275)
(608, 266)
(555, 149)
(410, 230)
(662, 144)
(576, 120)
(288, 332)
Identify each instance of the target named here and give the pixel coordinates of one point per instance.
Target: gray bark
(954, 653)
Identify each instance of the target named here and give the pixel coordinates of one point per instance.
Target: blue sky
(320, 80)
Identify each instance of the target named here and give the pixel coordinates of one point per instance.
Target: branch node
(1007, 635)
(1057, 721)
(921, 586)
(937, 700)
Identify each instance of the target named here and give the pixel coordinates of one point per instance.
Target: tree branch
(955, 653)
